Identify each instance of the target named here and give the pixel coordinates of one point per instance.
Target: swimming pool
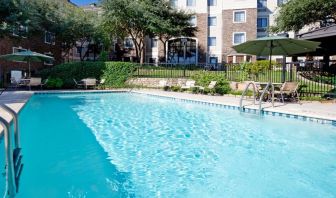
(133, 145)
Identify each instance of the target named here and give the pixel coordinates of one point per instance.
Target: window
(191, 2)
(239, 37)
(239, 59)
(262, 5)
(49, 38)
(20, 31)
(262, 24)
(50, 62)
(239, 16)
(128, 43)
(212, 41)
(212, 21)
(173, 3)
(280, 2)
(193, 21)
(19, 49)
(154, 43)
(213, 60)
(212, 2)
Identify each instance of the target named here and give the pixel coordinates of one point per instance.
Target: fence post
(291, 72)
(284, 69)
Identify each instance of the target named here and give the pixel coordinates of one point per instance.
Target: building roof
(329, 31)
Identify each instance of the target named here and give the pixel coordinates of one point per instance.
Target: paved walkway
(306, 108)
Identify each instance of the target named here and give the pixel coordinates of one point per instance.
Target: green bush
(176, 88)
(195, 90)
(103, 56)
(204, 78)
(54, 83)
(114, 73)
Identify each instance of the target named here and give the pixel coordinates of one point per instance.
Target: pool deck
(17, 99)
(313, 109)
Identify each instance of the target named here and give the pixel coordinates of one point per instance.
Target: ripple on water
(176, 149)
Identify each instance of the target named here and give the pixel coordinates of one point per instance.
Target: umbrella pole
(29, 75)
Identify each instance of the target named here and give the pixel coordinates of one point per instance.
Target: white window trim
(48, 54)
(233, 34)
(209, 21)
(45, 38)
(234, 12)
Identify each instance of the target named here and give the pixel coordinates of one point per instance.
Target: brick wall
(202, 35)
(34, 43)
(250, 27)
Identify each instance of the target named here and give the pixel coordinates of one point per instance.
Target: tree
(12, 14)
(169, 22)
(142, 18)
(295, 14)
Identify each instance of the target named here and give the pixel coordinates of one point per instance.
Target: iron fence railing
(315, 77)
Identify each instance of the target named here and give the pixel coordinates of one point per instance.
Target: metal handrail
(244, 93)
(11, 184)
(16, 124)
(263, 93)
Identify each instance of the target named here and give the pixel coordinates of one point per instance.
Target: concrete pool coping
(312, 110)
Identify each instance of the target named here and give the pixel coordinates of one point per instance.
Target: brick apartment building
(221, 24)
(44, 43)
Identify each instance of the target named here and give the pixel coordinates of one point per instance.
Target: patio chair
(289, 89)
(211, 86)
(77, 84)
(44, 83)
(34, 82)
(189, 84)
(90, 82)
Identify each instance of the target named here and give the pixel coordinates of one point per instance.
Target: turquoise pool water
(132, 145)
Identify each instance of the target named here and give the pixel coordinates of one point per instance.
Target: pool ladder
(14, 164)
(266, 89)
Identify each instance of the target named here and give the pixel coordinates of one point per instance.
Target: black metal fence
(315, 77)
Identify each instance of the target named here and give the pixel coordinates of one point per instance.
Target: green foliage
(295, 14)
(54, 83)
(139, 19)
(254, 70)
(166, 88)
(204, 78)
(103, 56)
(176, 88)
(114, 73)
(195, 90)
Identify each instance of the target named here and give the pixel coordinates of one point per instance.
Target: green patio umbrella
(276, 45)
(27, 56)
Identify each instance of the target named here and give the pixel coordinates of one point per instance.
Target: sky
(83, 2)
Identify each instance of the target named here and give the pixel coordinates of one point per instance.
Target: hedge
(114, 73)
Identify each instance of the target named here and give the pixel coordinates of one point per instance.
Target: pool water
(133, 145)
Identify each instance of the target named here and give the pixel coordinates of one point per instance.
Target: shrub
(103, 56)
(166, 88)
(195, 90)
(114, 73)
(204, 78)
(54, 83)
(176, 88)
